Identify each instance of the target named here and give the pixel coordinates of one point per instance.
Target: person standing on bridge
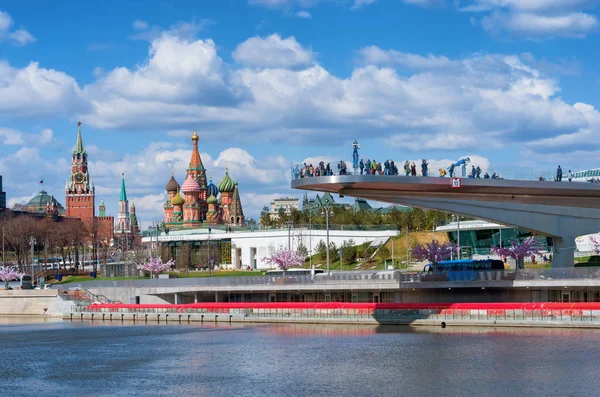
(407, 168)
(361, 165)
(413, 169)
(569, 175)
(424, 165)
(559, 174)
(451, 170)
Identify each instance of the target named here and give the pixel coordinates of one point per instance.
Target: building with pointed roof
(202, 202)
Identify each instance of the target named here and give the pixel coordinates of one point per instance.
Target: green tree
(383, 253)
(321, 250)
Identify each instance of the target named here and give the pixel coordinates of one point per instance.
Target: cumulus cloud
(37, 91)
(377, 56)
(273, 52)
(538, 19)
(17, 37)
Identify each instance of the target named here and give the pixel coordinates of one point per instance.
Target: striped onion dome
(212, 189)
(178, 200)
(226, 185)
(190, 185)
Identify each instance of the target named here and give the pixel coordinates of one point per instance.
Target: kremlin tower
(79, 189)
(196, 202)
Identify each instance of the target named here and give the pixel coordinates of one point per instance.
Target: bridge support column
(563, 254)
(177, 299)
(195, 297)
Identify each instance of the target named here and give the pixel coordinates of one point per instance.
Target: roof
(177, 200)
(226, 185)
(172, 185)
(39, 202)
(79, 144)
(123, 192)
(195, 161)
(190, 185)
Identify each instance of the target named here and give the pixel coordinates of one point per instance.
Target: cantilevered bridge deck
(563, 210)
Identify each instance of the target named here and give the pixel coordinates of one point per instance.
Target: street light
(326, 211)
(288, 225)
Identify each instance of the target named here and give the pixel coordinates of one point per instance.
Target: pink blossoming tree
(156, 266)
(519, 250)
(595, 240)
(284, 259)
(434, 252)
(9, 274)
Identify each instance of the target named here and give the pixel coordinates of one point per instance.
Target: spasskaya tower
(80, 188)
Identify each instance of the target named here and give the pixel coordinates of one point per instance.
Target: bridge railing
(503, 172)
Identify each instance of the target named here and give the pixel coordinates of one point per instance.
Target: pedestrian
(407, 168)
(478, 171)
(442, 173)
(569, 175)
(361, 165)
(373, 167)
(451, 170)
(386, 167)
(486, 176)
(413, 169)
(473, 172)
(559, 174)
(393, 169)
(424, 165)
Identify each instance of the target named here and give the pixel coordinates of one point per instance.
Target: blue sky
(269, 83)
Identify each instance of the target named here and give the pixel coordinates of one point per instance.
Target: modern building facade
(248, 249)
(286, 204)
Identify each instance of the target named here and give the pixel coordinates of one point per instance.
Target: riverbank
(220, 318)
(42, 303)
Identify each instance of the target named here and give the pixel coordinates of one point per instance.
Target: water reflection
(112, 358)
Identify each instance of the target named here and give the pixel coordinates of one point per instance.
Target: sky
(513, 84)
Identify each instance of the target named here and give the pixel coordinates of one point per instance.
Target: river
(54, 358)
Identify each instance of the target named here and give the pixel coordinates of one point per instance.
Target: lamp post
(326, 211)
(32, 242)
(3, 253)
(288, 225)
(310, 235)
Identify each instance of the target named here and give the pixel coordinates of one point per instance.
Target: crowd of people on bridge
(388, 167)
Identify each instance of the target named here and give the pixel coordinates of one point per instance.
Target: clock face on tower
(79, 177)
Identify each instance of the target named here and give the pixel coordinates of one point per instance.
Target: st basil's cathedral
(197, 202)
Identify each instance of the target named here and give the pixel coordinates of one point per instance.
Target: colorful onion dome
(213, 190)
(178, 200)
(172, 186)
(211, 199)
(190, 185)
(226, 185)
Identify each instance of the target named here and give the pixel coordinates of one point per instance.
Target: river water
(93, 359)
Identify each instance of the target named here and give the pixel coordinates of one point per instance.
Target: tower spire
(123, 192)
(79, 144)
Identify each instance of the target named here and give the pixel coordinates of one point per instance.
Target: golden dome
(195, 136)
(177, 200)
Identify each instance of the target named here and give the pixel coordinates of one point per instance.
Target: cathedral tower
(197, 171)
(123, 217)
(79, 189)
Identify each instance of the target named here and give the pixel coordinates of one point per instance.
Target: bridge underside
(561, 210)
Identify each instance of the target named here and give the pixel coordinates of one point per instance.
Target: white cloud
(273, 52)
(360, 3)
(540, 26)
(303, 14)
(21, 37)
(18, 37)
(536, 19)
(138, 24)
(376, 56)
(9, 136)
(37, 91)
